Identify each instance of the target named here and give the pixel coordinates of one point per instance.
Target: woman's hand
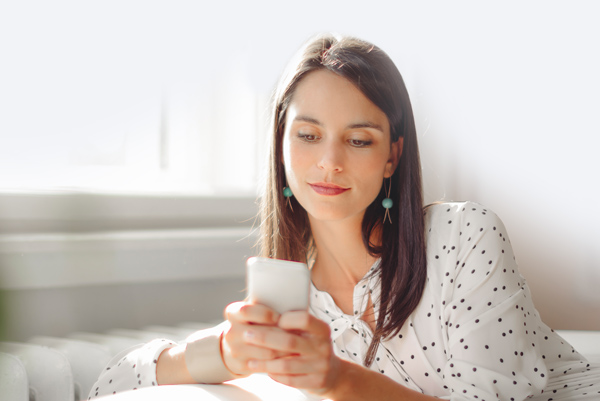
(236, 350)
(306, 359)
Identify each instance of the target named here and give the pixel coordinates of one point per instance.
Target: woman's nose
(331, 157)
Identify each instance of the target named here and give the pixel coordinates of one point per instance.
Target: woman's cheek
(296, 167)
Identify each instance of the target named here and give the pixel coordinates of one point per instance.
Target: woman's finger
(291, 365)
(251, 313)
(238, 346)
(247, 351)
(304, 321)
(236, 351)
(278, 339)
(317, 376)
(314, 383)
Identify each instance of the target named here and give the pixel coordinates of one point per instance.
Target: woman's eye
(308, 137)
(359, 143)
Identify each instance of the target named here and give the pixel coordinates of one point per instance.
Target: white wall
(506, 96)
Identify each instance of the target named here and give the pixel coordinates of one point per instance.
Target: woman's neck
(342, 258)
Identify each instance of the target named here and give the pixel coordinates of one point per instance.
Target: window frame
(66, 211)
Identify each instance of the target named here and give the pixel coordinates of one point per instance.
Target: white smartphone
(279, 284)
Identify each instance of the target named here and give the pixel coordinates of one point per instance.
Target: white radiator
(64, 369)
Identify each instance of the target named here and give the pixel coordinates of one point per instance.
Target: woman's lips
(323, 188)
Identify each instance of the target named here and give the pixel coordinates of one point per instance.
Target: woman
(404, 304)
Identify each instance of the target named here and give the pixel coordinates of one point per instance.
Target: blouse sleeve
(491, 324)
(136, 367)
(131, 369)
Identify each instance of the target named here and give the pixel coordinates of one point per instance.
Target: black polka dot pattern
(476, 334)
(130, 370)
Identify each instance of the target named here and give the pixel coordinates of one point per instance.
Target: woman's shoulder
(461, 222)
(450, 214)
(468, 244)
(454, 207)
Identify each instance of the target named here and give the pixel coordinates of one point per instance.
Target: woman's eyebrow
(362, 124)
(309, 120)
(366, 124)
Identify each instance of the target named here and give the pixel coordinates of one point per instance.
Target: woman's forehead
(326, 97)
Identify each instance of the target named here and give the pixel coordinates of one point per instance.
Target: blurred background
(132, 135)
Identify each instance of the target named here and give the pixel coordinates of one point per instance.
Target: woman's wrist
(356, 382)
(204, 360)
(170, 367)
(340, 382)
(224, 354)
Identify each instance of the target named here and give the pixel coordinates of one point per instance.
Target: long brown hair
(285, 231)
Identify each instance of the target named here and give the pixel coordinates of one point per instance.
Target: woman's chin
(334, 215)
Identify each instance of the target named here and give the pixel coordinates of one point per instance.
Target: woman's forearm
(197, 361)
(358, 383)
(353, 382)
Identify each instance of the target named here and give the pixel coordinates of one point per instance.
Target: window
(121, 133)
(126, 98)
(128, 116)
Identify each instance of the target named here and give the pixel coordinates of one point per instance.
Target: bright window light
(138, 107)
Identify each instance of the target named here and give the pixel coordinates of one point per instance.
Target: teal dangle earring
(387, 203)
(287, 192)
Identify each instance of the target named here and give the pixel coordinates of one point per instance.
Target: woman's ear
(395, 154)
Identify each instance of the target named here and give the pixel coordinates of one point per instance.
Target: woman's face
(336, 147)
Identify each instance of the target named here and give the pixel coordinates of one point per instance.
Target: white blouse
(475, 335)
